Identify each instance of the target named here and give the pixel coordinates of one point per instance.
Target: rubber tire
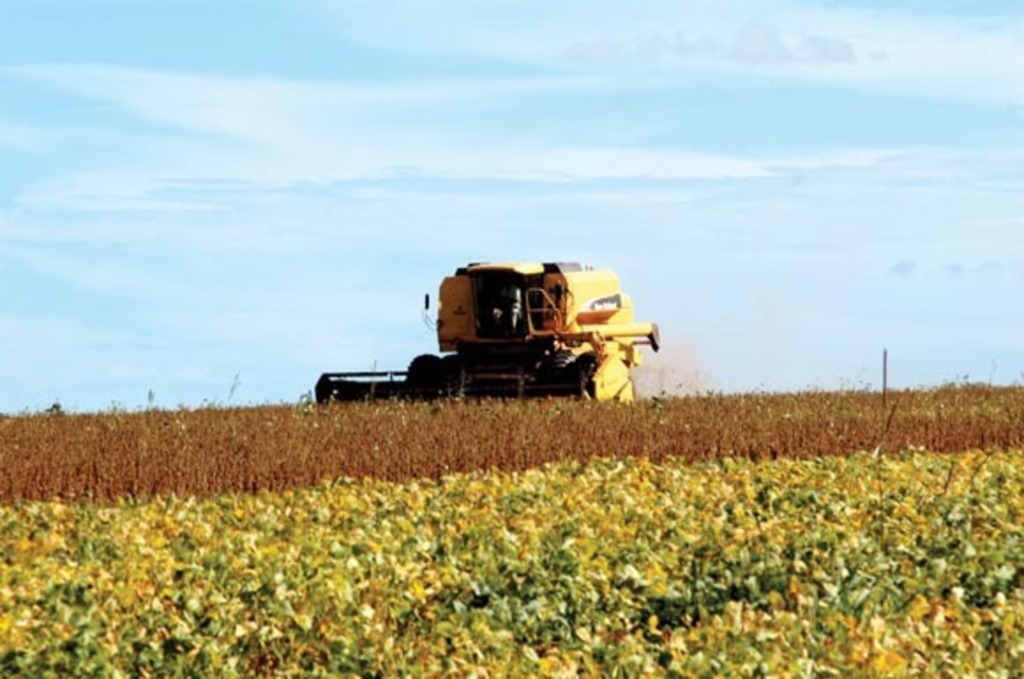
(425, 372)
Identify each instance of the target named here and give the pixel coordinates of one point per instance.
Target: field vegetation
(814, 534)
(217, 450)
(839, 566)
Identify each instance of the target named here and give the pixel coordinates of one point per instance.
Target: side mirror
(426, 302)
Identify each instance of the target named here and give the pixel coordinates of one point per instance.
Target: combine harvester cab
(515, 331)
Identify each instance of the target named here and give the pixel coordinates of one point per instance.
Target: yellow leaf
(889, 662)
(304, 621)
(417, 590)
(918, 608)
(1009, 623)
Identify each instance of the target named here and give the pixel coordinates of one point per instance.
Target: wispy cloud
(992, 269)
(959, 54)
(753, 44)
(259, 134)
(987, 268)
(871, 51)
(275, 111)
(904, 268)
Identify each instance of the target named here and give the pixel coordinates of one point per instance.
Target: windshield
(500, 306)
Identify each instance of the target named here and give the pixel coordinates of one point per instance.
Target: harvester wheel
(425, 372)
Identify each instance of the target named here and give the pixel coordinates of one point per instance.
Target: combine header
(518, 330)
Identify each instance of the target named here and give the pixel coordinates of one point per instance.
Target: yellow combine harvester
(518, 330)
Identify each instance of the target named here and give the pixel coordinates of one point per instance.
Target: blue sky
(215, 202)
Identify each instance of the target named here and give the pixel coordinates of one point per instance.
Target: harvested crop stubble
(212, 450)
(845, 566)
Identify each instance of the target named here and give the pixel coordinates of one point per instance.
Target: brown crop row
(217, 450)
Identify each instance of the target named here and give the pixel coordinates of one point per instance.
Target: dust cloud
(676, 370)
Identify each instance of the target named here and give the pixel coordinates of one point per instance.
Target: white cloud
(753, 44)
(801, 195)
(819, 49)
(760, 44)
(111, 191)
(903, 269)
(261, 134)
(273, 111)
(295, 137)
(930, 57)
(879, 49)
(988, 268)
(319, 133)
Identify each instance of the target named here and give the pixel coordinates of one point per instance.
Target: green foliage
(615, 567)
